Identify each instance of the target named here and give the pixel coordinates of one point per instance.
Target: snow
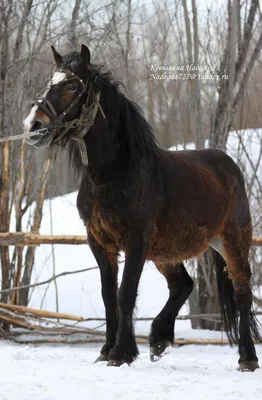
(68, 373)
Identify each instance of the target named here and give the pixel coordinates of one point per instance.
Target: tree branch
(47, 281)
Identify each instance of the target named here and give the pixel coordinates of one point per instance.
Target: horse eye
(72, 88)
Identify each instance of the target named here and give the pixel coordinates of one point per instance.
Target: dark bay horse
(151, 203)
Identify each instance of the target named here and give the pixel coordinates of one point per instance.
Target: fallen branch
(41, 313)
(16, 288)
(257, 241)
(16, 322)
(57, 341)
(22, 323)
(52, 314)
(139, 340)
(33, 239)
(55, 315)
(53, 331)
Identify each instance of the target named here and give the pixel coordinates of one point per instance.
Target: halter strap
(82, 124)
(79, 136)
(47, 106)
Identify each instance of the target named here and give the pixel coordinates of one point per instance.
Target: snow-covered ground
(68, 373)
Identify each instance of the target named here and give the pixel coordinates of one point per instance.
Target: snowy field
(68, 373)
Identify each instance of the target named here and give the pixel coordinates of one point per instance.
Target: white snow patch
(68, 373)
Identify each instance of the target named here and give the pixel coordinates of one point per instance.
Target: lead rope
(89, 123)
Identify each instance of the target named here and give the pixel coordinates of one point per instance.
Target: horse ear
(85, 54)
(58, 58)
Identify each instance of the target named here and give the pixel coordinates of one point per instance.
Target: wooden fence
(30, 322)
(34, 239)
(32, 326)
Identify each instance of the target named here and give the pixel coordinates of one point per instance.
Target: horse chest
(106, 227)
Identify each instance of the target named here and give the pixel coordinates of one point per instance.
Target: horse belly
(178, 247)
(183, 237)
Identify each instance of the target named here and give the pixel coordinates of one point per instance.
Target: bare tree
(18, 182)
(237, 66)
(238, 59)
(72, 29)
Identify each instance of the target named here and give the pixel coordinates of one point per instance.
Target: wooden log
(57, 341)
(34, 239)
(56, 315)
(41, 313)
(257, 241)
(16, 322)
(23, 323)
(55, 331)
(178, 342)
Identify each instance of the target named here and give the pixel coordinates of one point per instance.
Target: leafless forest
(194, 67)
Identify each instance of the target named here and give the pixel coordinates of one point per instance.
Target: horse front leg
(108, 266)
(125, 349)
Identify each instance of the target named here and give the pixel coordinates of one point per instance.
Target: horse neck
(118, 145)
(106, 161)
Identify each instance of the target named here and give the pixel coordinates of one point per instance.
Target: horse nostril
(36, 125)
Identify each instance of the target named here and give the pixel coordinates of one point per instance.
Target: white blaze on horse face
(57, 77)
(28, 121)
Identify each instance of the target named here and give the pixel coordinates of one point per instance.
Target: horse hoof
(154, 357)
(116, 363)
(248, 366)
(102, 357)
(158, 350)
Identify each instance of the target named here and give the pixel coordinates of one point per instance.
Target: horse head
(58, 107)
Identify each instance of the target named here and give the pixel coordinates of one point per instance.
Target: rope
(85, 122)
(23, 135)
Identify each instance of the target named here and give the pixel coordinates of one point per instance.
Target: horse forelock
(73, 62)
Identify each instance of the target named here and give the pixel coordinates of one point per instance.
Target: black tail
(228, 307)
(227, 301)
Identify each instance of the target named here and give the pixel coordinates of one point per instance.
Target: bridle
(48, 108)
(80, 125)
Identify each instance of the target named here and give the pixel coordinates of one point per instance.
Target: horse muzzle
(37, 134)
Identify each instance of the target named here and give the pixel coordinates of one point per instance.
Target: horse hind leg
(162, 330)
(236, 244)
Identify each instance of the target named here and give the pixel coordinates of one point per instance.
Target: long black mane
(124, 117)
